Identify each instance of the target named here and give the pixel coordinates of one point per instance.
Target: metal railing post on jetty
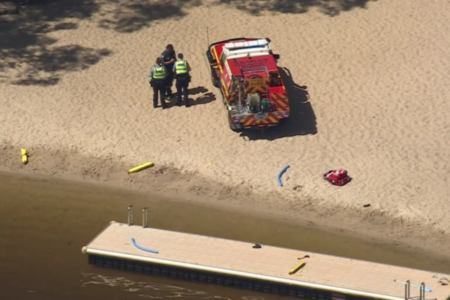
(407, 289)
(422, 291)
(144, 217)
(130, 215)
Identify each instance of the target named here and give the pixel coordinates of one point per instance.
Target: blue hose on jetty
(142, 248)
(281, 174)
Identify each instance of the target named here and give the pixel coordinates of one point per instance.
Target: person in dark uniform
(158, 75)
(169, 58)
(181, 70)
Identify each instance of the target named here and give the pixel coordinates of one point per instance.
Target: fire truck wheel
(215, 83)
(236, 127)
(215, 80)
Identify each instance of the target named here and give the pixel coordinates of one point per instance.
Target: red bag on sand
(337, 177)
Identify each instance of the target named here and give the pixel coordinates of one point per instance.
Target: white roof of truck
(248, 44)
(246, 48)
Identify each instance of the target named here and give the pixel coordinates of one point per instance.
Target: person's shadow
(197, 90)
(302, 120)
(206, 98)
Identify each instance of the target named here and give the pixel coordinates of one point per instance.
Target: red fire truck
(246, 73)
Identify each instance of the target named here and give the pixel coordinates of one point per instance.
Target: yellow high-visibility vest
(159, 72)
(181, 67)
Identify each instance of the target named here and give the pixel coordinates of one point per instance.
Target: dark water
(45, 222)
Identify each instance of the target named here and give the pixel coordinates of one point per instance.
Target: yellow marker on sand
(207, 165)
(141, 167)
(296, 268)
(24, 155)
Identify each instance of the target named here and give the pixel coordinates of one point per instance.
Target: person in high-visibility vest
(181, 70)
(158, 75)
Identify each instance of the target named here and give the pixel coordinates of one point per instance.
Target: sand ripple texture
(378, 79)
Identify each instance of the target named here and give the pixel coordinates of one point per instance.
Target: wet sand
(44, 223)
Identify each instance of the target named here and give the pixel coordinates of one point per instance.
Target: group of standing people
(170, 67)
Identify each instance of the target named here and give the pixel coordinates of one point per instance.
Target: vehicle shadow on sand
(302, 120)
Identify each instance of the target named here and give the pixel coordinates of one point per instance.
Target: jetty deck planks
(223, 254)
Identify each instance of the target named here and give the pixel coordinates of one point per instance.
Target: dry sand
(74, 92)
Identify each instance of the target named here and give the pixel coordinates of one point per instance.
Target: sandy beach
(74, 93)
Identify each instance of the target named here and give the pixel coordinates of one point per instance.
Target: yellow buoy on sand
(296, 268)
(141, 167)
(24, 155)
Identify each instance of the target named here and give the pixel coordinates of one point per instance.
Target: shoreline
(373, 225)
(75, 94)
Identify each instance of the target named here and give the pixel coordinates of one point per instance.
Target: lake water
(44, 222)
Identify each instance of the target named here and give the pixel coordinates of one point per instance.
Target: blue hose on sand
(142, 248)
(281, 174)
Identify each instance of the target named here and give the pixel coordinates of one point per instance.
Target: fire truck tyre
(216, 83)
(214, 79)
(236, 127)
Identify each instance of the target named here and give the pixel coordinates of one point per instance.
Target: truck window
(223, 59)
(275, 79)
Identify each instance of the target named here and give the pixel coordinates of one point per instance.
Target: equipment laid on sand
(246, 73)
(337, 177)
(281, 174)
(24, 156)
(141, 167)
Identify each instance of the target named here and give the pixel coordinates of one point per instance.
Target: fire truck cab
(246, 73)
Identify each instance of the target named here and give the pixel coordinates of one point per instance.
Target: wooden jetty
(266, 268)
